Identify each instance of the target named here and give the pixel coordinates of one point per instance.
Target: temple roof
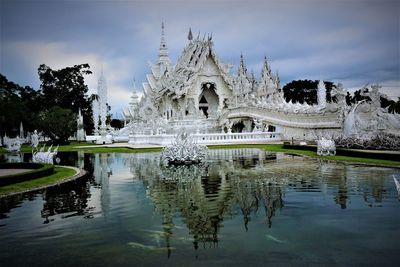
(189, 66)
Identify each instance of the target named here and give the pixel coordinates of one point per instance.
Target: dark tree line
(51, 109)
(305, 91)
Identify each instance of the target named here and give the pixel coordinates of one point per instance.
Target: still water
(243, 207)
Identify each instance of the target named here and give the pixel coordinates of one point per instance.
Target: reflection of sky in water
(241, 207)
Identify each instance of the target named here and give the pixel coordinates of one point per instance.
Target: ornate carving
(326, 147)
(184, 150)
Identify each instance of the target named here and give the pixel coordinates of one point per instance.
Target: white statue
(184, 150)
(44, 157)
(321, 94)
(326, 147)
(34, 139)
(13, 145)
(80, 132)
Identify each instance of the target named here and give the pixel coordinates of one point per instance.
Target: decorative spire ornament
(163, 51)
(190, 35)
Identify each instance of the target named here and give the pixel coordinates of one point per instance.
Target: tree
(66, 88)
(17, 104)
(305, 91)
(395, 107)
(116, 123)
(58, 124)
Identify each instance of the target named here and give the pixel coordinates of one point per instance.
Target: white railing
(203, 138)
(216, 138)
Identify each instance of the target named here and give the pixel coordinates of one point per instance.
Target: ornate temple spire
(243, 84)
(102, 93)
(267, 83)
(242, 67)
(266, 67)
(134, 97)
(277, 80)
(253, 81)
(190, 35)
(163, 52)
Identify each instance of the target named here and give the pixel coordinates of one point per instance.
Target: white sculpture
(34, 139)
(80, 132)
(321, 94)
(13, 145)
(326, 147)
(44, 157)
(184, 150)
(21, 131)
(366, 119)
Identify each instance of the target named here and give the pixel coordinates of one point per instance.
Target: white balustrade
(210, 138)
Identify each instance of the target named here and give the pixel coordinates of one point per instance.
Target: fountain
(184, 150)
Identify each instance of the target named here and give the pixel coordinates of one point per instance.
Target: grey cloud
(353, 41)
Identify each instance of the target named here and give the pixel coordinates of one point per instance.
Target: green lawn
(270, 147)
(84, 147)
(279, 148)
(60, 174)
(116, 150)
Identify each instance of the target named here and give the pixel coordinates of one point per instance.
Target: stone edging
(79, 173)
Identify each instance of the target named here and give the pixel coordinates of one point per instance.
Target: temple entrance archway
(208, 100)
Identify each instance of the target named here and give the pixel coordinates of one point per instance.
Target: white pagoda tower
(102, 93)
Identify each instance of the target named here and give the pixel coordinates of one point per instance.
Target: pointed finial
(241, 59)
(190, 35)
(163, 51)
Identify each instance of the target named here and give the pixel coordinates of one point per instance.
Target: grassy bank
(90, 148)
(60, 174)
(117, 150)
(313, 154)
(375, 158)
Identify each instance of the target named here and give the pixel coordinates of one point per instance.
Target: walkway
(6, 172)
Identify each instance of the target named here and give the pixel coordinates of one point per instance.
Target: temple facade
(202, 95)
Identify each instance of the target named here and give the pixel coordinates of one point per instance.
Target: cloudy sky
(349, 41)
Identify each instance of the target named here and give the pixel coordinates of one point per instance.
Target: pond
(242, 207)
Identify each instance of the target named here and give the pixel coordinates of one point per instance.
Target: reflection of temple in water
(102, 173)
(239, 181)
(204, 195)
(233, 182)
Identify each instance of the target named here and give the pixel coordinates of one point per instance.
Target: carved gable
(210, 68)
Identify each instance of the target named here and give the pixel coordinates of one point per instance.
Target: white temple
(201, 95)
(100, 110)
